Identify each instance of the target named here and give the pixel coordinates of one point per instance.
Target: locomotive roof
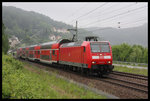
(99, 41)
(78, 43)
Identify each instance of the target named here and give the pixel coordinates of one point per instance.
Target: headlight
(93, 62)
(109, 62)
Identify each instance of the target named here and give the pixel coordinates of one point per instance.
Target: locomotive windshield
(100, 47)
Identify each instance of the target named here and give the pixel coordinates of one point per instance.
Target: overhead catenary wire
(120, 14)
(115, 15)
(129, 23)
(112, 11)
(129, 11)
(135, 21)
(90, 11)
(78, 10)
(108, 21)
(111, 27)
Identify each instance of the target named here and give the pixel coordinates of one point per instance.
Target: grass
(131, 70)
(64, 88)
(23, 81)
(131, 64)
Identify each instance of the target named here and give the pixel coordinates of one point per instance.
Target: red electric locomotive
(87, 56)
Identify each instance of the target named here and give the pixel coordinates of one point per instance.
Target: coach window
(53, 52)
(84, 49)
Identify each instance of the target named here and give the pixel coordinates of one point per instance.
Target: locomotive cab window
(100, 47)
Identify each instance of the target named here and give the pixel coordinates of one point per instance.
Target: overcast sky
(90, 14)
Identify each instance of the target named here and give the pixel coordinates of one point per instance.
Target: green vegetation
(24, 24)
(131, 70)
(131, 64)
(5, 42)
(21, 81)
(128, 53)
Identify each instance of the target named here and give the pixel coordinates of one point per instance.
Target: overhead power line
(102, 10)
(115, 15)
(89, 12)
(79, 9)
(112, 11)
(120, 25)
(129, 23)
(135, 21)
(108, 21)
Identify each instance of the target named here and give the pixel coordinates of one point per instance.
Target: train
(86, 57)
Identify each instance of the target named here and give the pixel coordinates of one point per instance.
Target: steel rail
(122, 85)
(138, 84)
(142, 77)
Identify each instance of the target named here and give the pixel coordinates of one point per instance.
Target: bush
(125, 52)
(11, 70)
(21, 83)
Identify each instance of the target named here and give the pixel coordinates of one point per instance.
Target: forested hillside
(33, 28)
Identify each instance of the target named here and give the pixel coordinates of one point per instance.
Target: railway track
(129, 82)
(136, 76)
(143, 88)
(125, 84)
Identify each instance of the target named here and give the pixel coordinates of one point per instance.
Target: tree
(5, 42)
(116, 52)
(145, 56)
(136, 54)
(125, 50)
